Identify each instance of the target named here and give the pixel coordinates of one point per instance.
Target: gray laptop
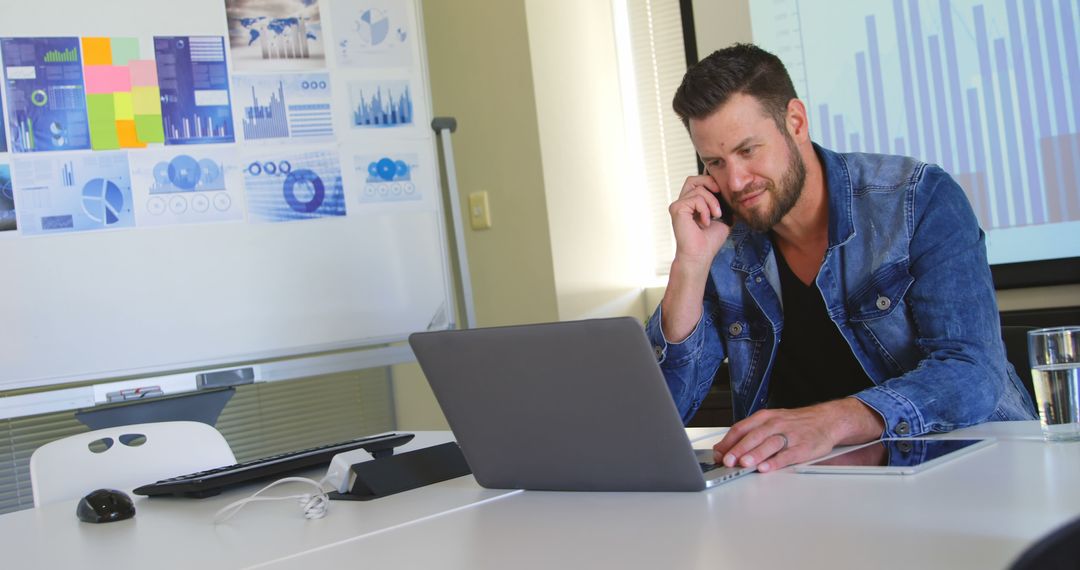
(571, 406)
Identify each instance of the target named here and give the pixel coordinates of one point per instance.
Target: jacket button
(659, 351)
(735, 329)
(903, 428)
(757, 279)
(883, 303)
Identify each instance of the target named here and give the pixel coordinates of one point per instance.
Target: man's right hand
(699, 235)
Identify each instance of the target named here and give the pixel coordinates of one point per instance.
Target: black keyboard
(212, 481)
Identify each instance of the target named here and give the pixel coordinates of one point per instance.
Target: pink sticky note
(143, 72)
(106, 79)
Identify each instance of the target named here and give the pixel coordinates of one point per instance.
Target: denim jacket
(905, 279)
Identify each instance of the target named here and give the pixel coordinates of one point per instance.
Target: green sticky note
(149, 128)
(124, 50)
(101, 112)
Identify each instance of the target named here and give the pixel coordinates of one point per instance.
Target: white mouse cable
(314, 504)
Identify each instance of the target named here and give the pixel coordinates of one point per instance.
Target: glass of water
(1055, 368)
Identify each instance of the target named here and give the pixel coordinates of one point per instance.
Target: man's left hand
(773, 439)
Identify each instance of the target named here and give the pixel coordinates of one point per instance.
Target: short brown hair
(739, 68)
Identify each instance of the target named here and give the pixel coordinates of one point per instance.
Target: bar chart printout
(46, 98)
(284, 105)
(379, 104)
(979, 87)
(194, 84)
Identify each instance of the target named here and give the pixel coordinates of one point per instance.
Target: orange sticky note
(125, 133)
(97, 51)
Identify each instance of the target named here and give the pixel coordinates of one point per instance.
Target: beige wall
(594, 243)
(478, 61)
(718, 23)
(536, 95)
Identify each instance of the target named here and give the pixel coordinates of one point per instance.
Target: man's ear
(797, 123)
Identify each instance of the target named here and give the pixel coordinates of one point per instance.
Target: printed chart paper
(73, 192)
(372, 33)
(46, 102)
(279, 106)
(185, 186)
(287, 186)
(389, 177)
(194, 80)
(275, 36)
(381, 104)
(7, 200)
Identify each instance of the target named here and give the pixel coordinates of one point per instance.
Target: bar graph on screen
(979, 87)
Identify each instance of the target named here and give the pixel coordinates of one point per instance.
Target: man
(851, 297)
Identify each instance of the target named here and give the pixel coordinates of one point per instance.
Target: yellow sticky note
(122, 103)
(146, 100)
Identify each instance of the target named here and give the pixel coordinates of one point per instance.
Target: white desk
(978, 511)
(178, 532)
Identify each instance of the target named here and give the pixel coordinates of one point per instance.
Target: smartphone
(727, 215)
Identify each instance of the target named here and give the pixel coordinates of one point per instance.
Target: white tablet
(895, 456)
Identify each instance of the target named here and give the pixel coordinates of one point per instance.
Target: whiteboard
(168, 290)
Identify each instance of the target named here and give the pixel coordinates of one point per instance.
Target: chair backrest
(1058, 550)
(123, 458)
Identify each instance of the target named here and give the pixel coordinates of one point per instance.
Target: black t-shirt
(813, 362)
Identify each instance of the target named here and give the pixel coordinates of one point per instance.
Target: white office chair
(123, 458)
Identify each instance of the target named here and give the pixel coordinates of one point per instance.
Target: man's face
(758, 168)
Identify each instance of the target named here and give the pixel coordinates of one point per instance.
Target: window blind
(659, 62)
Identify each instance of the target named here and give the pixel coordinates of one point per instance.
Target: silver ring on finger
(783, 437)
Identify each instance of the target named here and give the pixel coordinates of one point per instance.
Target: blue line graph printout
(76, 192)
(372, 33)
(288, 186)
(186, 186)
(194, 82)
(46, 96)
(279, 106)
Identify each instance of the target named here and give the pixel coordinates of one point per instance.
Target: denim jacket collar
(753, 248)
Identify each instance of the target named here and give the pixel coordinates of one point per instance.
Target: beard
(784, 197)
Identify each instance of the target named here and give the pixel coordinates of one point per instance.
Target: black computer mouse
(105, 505)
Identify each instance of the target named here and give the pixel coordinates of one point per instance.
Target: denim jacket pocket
(882, 294)
(880, 321)
(745, 338)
